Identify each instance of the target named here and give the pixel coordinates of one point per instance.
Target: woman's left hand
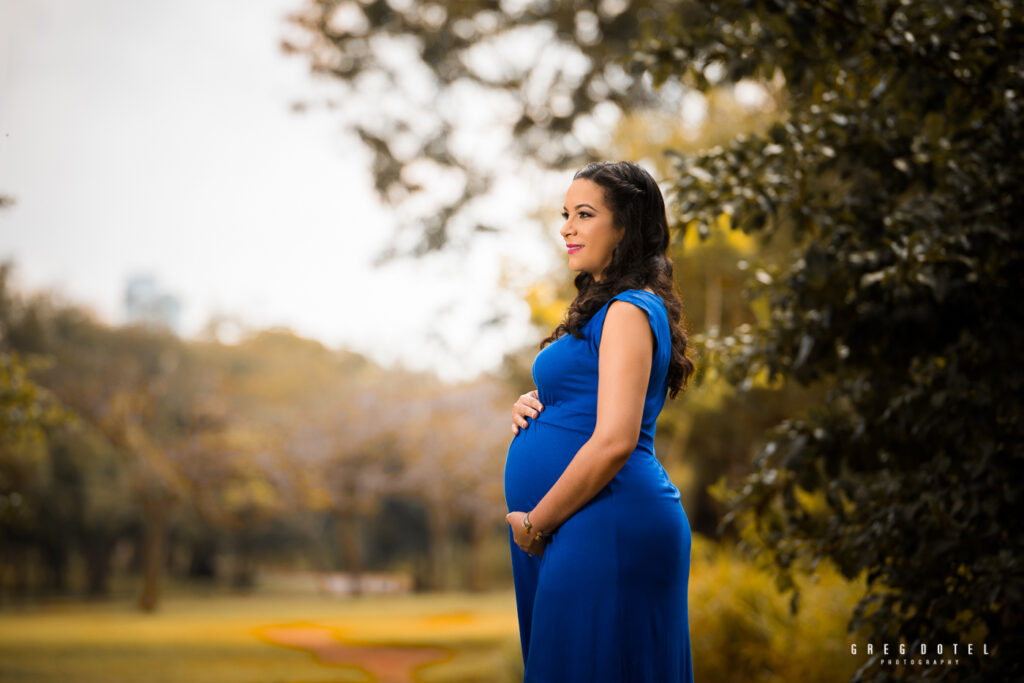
(527, 540)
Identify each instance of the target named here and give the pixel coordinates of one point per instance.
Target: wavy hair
(639, 261)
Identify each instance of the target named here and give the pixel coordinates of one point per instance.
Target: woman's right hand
(528, 405)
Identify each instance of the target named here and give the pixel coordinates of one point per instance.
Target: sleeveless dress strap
(648, 302)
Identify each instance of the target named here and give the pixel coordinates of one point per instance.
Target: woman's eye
(584, 214)
(565, 215)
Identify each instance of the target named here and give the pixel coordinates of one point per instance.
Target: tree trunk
(155, 512)
(203, 562)
(440, 546)
(348, 539)
(480, 525)
(14, 562)
(98, 551)
(55, 557)
(243, 578)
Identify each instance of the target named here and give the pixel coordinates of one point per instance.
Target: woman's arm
(624, 366)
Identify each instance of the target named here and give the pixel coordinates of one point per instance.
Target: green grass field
(304, 639)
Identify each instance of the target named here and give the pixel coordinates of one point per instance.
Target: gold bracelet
(528, 525)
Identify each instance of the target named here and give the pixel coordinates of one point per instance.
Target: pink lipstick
(573, 248)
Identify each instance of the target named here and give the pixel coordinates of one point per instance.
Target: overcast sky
(155, 137)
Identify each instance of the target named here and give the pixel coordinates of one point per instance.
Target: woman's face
(589, 232)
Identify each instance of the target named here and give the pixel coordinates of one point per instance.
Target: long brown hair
(639, 261)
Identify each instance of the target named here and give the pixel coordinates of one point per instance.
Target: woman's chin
(578, 267)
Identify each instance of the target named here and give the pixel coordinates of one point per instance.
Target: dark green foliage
(898, 173)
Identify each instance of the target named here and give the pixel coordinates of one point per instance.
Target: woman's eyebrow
(579, 205)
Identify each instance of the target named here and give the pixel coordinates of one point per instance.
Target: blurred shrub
(741, 628)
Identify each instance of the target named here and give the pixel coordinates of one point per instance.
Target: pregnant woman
(600, 542)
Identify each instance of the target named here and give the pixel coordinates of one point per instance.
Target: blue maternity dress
(607, 601)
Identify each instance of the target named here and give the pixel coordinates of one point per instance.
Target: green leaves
(893, 177)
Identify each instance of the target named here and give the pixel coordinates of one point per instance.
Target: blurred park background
(274, 273)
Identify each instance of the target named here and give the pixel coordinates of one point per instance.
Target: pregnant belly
(536, 458)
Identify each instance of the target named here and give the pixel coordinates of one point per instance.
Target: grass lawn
(292, 639)
(741, 629)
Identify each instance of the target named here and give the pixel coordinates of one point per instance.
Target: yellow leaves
(318, 498)
(760, 380)
(714, 389)
(720, 490)
(723, 236)
(761, 308)
(684, 476)
(745, 631)
(546, 307)
(245, 437)
(813, 502)
(251, 494)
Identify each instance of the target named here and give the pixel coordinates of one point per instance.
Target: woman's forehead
(584, 190)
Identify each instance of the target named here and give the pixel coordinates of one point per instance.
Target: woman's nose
(567, 229)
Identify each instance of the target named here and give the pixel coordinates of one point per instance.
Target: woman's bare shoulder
(626, 314)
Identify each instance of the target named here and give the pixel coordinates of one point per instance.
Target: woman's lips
(573, 248)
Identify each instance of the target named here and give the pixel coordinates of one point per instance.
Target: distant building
(146, 304)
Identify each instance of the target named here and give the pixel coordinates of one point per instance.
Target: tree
(137, 388)
(281, 400)
(546, 68)
(454, 438)
(27, 411)
(342, 447)
(895, 175)
(28, 414)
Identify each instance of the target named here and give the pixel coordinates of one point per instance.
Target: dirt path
(384, 663)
